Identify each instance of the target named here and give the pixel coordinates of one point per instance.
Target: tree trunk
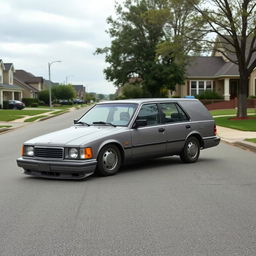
(242, 95)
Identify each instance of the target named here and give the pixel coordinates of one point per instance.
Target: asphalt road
(159, 207)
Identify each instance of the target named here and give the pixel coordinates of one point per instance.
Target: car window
(150, 113)
(172, 112)
(116, 114)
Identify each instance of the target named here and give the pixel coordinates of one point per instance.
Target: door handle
(161, 129)
(188, 126)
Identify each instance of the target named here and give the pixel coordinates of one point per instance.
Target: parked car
(78, 101)
(65, 102)
(113, 133)
(15, 104)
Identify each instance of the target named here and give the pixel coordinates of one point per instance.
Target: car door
(176, 125)
(149, 140)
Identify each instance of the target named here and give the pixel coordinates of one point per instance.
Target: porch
(10, 94)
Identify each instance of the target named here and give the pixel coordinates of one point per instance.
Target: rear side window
(172, 112)
(150, 113)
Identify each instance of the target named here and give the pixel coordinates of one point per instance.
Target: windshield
(117, 114)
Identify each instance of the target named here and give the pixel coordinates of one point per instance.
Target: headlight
(73, 153)
(28, 151)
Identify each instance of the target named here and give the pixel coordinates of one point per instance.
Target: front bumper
(211, 142)
(65, 169)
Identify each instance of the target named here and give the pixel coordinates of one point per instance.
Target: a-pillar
(226, 89)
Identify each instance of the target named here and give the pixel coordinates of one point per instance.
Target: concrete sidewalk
(21, 122)
(237, 137)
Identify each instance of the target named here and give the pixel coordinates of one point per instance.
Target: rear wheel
(109, 160)
(191, 150)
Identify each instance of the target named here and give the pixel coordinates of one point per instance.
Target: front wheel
(191, 150)
(109, 160)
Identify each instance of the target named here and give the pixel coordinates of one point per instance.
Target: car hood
(75, 135)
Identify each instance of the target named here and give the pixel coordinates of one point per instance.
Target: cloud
(42, 31)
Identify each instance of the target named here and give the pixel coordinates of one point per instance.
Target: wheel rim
(192, 150)
(110, 159)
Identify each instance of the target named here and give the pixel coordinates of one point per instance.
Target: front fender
(110, 141)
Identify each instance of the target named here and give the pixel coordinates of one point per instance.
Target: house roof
(10, 87)
(212, 67)
(27, 77)
(24, 85)
(8, 66)
(224, 45)
(2, 64)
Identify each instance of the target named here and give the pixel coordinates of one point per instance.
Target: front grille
(49, 152)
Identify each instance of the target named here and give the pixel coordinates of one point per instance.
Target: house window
(198, 87)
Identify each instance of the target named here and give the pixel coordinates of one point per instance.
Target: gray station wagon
(116, 132)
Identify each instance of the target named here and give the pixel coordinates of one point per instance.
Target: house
(31, 84)
(8, 90)
(215, 73)
(80, 91)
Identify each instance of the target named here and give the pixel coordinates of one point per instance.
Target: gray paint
(143, 142)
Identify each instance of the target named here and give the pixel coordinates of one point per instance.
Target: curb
(4, 129)
(49, 117)
(241, 144)
(245, 145)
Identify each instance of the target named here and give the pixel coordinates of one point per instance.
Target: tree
(136, 32)
(184, 29)
(44, 96)
(235, 24)
(63, 92)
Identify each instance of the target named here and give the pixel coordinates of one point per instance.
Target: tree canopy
(136, 33)
(235, 24)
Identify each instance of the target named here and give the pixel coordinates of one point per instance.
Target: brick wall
(220, 104)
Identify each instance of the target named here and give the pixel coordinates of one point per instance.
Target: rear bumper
(65, 169)
(211, 141)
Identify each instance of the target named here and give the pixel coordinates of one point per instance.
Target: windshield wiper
(104, 123)
(82, 123)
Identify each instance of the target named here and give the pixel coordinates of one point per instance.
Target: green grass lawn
(5, 126)
(251, 140)
(220, 112)
(10, 115)
(32, 119)
(59, 112)
(60, 107)
(243, 125)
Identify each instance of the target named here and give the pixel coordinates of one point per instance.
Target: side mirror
(140, 123)
(75, 121)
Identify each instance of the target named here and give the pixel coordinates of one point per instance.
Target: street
(161, 207)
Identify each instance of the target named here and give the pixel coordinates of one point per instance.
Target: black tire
(109, 160)
(191, 150)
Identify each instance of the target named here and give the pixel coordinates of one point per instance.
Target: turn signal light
(86, 153)
(215, 130)
(22, 150)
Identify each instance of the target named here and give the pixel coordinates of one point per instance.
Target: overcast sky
(34, 33)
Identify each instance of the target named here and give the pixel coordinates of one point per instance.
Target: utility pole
(50, 86)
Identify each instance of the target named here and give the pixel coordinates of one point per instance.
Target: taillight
(215, 130)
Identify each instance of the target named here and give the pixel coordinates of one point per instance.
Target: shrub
(34, 105)
(5, 104)
(29, 101)
(209, 95)
(133, 91)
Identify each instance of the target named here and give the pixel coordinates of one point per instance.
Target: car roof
(148, 100)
